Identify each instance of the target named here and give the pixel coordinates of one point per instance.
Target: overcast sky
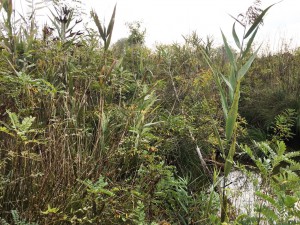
(167, 20)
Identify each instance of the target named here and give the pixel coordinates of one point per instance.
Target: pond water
(241, 191)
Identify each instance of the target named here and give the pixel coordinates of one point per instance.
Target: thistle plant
(230, 94)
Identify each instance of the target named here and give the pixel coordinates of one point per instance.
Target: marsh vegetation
(94, 132)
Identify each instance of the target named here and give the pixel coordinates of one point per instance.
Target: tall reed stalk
(230, 93)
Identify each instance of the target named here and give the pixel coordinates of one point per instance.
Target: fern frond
(295, 166)
(292, 154)
(268, 213)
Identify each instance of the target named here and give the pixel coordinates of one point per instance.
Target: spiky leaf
(229, 52)
(235, 37)
(98, 24)
(246, 66)
(112, 22)
(227, 82)
(249, 43)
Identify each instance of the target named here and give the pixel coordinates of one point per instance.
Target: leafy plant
(279, 190)
(164, 193)
(138, 215)
(136, 35)
(21, 130)
(284, 122)
(140, 128)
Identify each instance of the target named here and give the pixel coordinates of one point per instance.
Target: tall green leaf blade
(105, 33)
(246, 66)
(112, 22)
(98, 24)
(217, 78)
(257, 21)
(223, 97)
(227, 82)
(229, 158)
(218, 139)
(229, 52)
(107, 42)
(232, 114)
(235, 37)
(211, 195)
(232, 80)
(245, 52)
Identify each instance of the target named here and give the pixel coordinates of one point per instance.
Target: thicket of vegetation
(94, 132)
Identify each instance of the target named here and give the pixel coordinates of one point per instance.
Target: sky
(166, 21)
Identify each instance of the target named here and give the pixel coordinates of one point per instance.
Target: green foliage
(138, 215)
(274, 89)
(23, 130)
(279, 190)
(283, 124)
(136, 35)
(140, 128)
(165, 193)
(98, 187)
(50, 210)
(156, 195)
